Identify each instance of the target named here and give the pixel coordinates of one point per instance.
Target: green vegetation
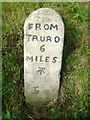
(74, 98)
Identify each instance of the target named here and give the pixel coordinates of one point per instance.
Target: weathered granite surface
(43, 47)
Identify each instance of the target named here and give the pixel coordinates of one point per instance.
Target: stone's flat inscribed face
(43, 46)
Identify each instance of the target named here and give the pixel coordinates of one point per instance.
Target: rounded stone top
(42, 12)
(45, 15)
(45, 11)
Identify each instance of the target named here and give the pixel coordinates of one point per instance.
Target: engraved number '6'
(42, 48)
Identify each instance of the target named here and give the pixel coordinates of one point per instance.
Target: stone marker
(43, 47)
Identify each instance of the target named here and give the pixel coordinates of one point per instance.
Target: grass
(74, 98)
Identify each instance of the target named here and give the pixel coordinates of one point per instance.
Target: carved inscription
(43, 39)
